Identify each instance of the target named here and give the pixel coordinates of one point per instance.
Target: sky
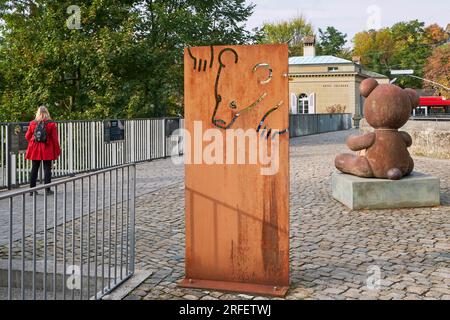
(351, 16)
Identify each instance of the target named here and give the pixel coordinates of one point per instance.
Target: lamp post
(410, 73)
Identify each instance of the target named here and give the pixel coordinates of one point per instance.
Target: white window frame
(303, 103)
(294, 101)
(333, 69)
(312, 103)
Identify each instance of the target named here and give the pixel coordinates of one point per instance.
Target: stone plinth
(416, 190)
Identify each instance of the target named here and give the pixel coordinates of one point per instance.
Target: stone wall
(430, 138)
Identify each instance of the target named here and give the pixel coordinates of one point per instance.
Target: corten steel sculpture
(237, 220)
(387, 108)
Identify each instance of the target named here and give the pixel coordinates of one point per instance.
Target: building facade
(327, 84)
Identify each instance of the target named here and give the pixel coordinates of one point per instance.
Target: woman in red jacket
(43, 145)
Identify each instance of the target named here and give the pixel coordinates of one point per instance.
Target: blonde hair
(42, 114)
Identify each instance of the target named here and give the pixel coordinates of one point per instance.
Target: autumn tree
(437, 69)
(405, 45)
(436, 35)
(376, 49)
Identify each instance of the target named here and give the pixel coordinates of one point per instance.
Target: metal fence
(3, 155)
(77, 243)
(308, 124)
(432, 117)
(85, 148)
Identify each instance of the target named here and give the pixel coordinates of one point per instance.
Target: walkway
(334, 251)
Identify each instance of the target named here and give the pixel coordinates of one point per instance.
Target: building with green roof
(327, 84)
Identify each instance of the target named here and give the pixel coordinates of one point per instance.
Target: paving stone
(300, 293)
(132, 297)
(140, 293)
(245, 297)
(216, 294)
(417, 290)
(334, 291)
(228, 296)
(208, 298)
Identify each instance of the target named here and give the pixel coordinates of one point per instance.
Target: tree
(437, 69)
(436, 35)
(125, 61)
(411, 50)
(291, 31)
(405, 45)
(70, 70)
(375, 48)
(168, 27)
(331, 42)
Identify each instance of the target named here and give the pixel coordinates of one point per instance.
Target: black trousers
(35, 171)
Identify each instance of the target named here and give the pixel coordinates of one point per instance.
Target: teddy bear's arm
(407, 138)
(357, 143)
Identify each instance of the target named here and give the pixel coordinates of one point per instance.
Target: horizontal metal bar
(109, 290)
(53, 184)
(94, 120)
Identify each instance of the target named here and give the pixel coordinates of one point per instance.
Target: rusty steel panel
(237, 219)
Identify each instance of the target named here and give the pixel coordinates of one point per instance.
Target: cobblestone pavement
(334, 251)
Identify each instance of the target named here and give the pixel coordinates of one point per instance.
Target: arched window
(303, 103)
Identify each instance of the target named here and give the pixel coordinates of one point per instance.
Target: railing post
(181, 141)
(124, 143)
(8, 156)
(70, 147)
(164, 137)
(94, 156)
(133, 142)
(132, 179)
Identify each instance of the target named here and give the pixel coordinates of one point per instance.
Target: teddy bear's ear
(367, 86)
(414, 97)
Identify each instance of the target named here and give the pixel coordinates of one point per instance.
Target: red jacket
(39, 150)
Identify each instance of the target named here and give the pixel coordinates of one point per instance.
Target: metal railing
(78, 243)
(3, 155)
(432, 117)
(309, 124)
(84, 148)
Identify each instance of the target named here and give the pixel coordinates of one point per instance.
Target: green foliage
(331, 42)
(405, 45)
(292, 32)
(125, 61)
(411, 51)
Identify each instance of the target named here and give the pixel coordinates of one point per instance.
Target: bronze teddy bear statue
(387, 108)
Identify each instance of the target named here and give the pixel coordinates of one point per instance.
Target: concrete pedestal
(416, 190)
